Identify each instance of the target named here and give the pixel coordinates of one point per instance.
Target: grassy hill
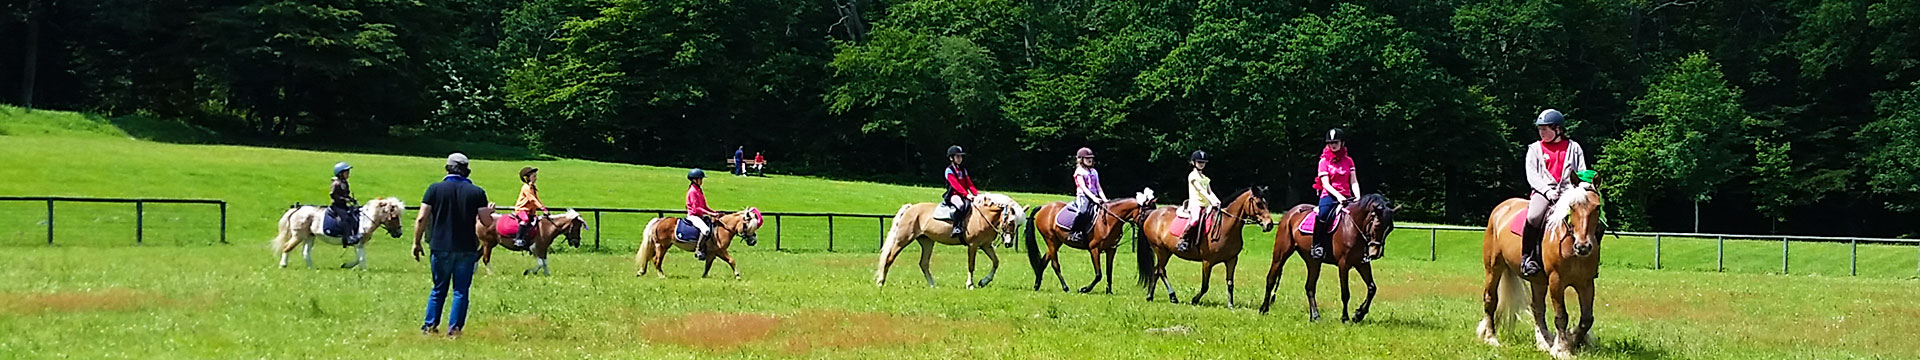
(92, 296)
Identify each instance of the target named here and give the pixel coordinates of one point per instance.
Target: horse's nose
(1582, 249)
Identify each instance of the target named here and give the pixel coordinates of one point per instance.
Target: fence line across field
(1720, 258)
(139, 211)
(882, 219)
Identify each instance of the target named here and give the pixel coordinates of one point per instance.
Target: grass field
(94, 296)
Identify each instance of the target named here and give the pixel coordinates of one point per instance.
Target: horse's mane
(1576, 196)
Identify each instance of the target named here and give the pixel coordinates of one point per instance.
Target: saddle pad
(1066, 217)
(1519, 224)
(1180, 225)
(943, 212)
(1307, 227)
(508, 225)
(684, 231)
(330, 224)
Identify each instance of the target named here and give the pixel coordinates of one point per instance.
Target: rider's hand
(417, 252)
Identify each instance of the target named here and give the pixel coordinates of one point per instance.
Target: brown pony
(550, 227)
(1570, 258)
(659, 238)
(1223, 245)
(1359, 239)
(1102, 235)
(993, 215)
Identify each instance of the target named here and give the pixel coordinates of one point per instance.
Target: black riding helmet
(1336, 135)
(1550, 117)
(955, 150)
(1199, 156)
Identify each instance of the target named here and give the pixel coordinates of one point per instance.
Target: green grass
(92, 296)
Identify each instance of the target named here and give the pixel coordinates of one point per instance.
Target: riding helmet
(1336, 135)
(1199, 156)
(1550, 117)
(1084, 152)
(696, 174)
(525, 171)
(955, 150)
(341, 167)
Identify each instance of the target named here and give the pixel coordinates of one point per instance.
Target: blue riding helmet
(341, 167)
(1550, 117)
(696, 174)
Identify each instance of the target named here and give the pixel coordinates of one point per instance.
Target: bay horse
(658, 238)
(1569, 258)
(1109, 221)
(1222, 246)
(1358, 238)
(550, 227)
(993, 215)
(306, 225)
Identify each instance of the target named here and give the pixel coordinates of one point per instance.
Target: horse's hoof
(1314, 317)
(1082, 290)
(1173, 299)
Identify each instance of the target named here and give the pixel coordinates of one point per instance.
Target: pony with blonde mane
(303, 224)
(993, 216)
(1569, 258)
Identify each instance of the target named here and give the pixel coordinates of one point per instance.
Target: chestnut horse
(659, 238)
(1359, 238)
(993, 215)
(549, 227)
(1222, 246)
(1108, 219)
(1569, 258)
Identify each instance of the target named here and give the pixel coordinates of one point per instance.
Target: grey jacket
(1540, 178)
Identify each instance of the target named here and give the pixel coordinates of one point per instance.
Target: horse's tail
(279, 243)
(1143, 253)
(646, 245)
(1515, 298)
(1033, 250)
(890, 239)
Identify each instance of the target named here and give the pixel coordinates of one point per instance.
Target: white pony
(302, 224)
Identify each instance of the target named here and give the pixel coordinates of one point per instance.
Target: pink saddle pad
(508, 225)
(1306, 227)
(1519, 223)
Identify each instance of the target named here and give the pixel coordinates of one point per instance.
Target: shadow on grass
(1405, 323)
(1625, 347)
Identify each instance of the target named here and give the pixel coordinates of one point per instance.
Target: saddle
(944, 211)
(1307, 227)
(1180, 224)
(509, 225)
(1070, 215)
(684, 231)
(334, 227)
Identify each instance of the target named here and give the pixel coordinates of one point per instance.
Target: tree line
(1763, 116)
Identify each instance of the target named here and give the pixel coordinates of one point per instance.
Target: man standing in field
(451, 207)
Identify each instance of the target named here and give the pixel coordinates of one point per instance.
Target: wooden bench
(753, 167)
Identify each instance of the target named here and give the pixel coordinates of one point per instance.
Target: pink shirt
(697, 203)
(1339, 171)
(1086, 183)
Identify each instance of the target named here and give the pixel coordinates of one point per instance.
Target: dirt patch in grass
(111, 299)
(805, 332)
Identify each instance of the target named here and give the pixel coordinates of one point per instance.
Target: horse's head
(1251, 206)
(1007, 219)
(1579, 214)
(386, 213)
(1135, 211)
(746, 224)
(1375, 213)
(570, 225)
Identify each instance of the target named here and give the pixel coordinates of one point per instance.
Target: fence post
(139, 222)
(1433, 254)
(596, 230)
(1656, 252)
(1853, 260)
(829, 233)
(1785, 255)
(776, 233)
(223, 221)
(49, 221)
(1720, 254)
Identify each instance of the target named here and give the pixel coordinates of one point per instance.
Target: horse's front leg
(1557, 294)
(1097, 275)
(995, 258)
(1366, 275)
(1206, 278)
(1110, 275)
(972, 251)
(1345, 295)
(708, 269)
(1542, 335)
(1231, 264)
(1582, 335)
(360, 257)
(730, 264)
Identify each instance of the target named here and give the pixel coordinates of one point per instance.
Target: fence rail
(881, 219)
(139, 211)
(1720, 259)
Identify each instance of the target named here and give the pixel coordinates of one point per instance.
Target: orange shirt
(529, 200)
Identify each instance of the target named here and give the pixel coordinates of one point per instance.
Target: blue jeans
(453, 268)
(1327, 209)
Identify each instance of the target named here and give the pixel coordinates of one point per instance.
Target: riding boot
(1193, 234)
(520, 238)
(959, 226)
(1530, 250)
(1322, 237)
(700, 248)
(1078, 236)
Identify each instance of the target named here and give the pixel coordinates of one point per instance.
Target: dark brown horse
(550, 227)
(1154, 243)
(1359, 238)
(1569, 258)
(1103, 235)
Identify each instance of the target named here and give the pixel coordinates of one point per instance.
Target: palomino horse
(993, 215)
(658, 238)
(1359, 238)
(1569, 256)
(1103, 235)
(302, 224)
(1221, 246)
(549, 227)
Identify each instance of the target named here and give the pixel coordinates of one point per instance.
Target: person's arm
(1577, 157)
(1536, 168)
(1355, 178)
(420, 229)
(1093, 177)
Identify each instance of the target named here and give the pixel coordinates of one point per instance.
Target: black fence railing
(139, 210)
(778, 228)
